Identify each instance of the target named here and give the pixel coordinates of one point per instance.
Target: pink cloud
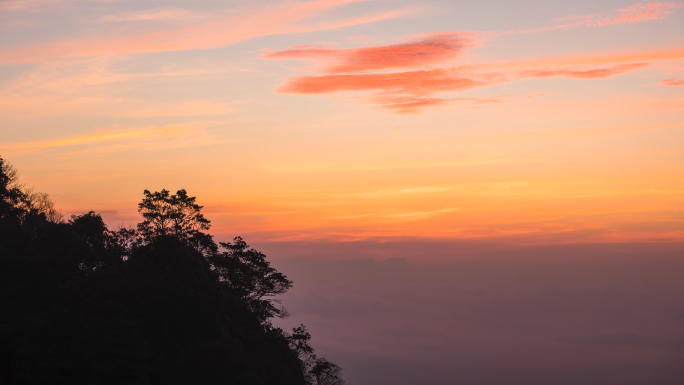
(413, 83)
(584, 61)
(155, 14)
(413, 91)
(672, 82)
(413, 105)
(636, 13)
(431, 50)
(592, 73)
(430, 59)
(214, 32)
(433, 71)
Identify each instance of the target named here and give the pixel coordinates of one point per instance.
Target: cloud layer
(528, 316)
(366, 74)
(361, 74)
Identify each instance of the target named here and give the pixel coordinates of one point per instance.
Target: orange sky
(340, 120)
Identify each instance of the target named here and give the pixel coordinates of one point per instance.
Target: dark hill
(160, 304)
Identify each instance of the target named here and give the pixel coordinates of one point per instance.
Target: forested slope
(159, 304)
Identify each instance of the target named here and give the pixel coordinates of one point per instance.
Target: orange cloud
(592, 60)
(672, 82)
(414, 106)
(411, 92)
(116, 134)
(413, 83)
(593, 73)
(636, 13)
(436, 48)
(212, 33)
(365, 70)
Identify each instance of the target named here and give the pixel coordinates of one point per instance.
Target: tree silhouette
(83, 304)
(247, 274)
(40, 203)
(176, 216)
(317, 371)
(325, 372)
(10, 193)
(166, 214)
(18, 203)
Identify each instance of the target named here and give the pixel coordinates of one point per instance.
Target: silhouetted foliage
(83, 304)
(317, 371)
(247, 274)
(176, 216)
(20, 204)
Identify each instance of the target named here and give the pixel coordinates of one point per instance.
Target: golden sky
(340, 120)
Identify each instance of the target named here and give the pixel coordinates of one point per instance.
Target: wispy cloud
(435, 48)
(157, 14)
(592, 73)
(144, 135)
(413, 105)
(399, 216)
(12, 5)
(413, 82)
(671, 82)
(581, 60)
(579, 132)
(98, 87)
(189, 108)
(215, 32)
(32, 5)
(636, 13)
(412, 92)
(365, 74)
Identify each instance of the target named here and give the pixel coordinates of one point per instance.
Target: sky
(434, 131)
(350, 120)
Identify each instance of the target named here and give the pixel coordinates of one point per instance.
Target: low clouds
(561, 314)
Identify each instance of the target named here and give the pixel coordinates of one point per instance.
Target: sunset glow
(347, 120)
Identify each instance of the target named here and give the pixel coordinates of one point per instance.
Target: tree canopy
(248, 274)
(159, 304)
